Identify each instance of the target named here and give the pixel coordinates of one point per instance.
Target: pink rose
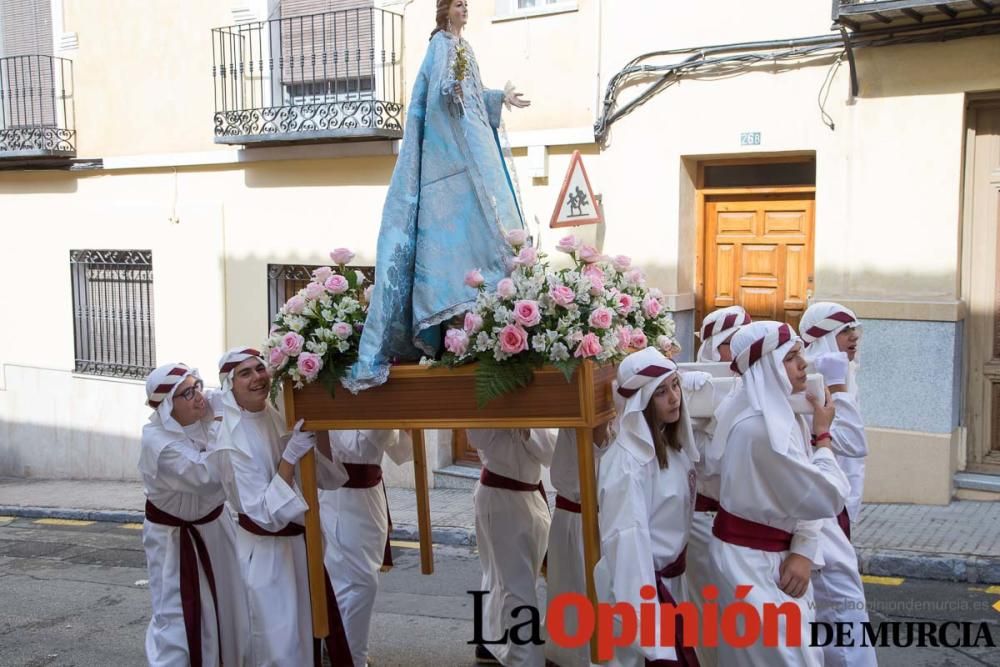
(474, 278)
(322, 273)
(473, 323)
(456, 341)
(341, 330)
(513, 339)
(664, 343)
(590, 346)
(593, 270)
(601, 318)
(639, 340)
(315, 290)
(562, 295)
(295, 305)
(506, 288)
(526, 313)
(589, 254)
(651, 307)
(337, 284)
(625, 303)
(596, 284)
(634, 276)
(277, 359)
(621, 262)
(309, 365)
(341, 256)
(568, 244)
(527, 257)
(291, 344)
(624, 339)
(368, 293)
(517, 237)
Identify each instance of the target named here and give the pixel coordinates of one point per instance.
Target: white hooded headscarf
(759, 350)
(162, 428)
(820, 325)
(717, 328)
(639, 374)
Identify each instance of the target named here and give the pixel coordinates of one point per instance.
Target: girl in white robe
(272, 552)
(646, 491)
(565, 572)
(356, 527)
(774, 493)
(512, 528)
(184, 513)
(829, 331)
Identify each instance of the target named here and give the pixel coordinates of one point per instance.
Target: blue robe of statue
(450, 201)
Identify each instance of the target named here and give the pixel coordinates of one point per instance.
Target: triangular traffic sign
(576, 204)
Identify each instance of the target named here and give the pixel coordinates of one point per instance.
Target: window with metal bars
(284, 280)
(113, 312)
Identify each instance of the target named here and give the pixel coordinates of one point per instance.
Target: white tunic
(565, 565)
(699, 564)
(645, 518)
(511, 532)
(792, 492)
(274, 568)
(839, 592)
(186, 485)
(355, 527)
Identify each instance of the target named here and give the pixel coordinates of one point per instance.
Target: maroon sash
(336, 638)
(193, 550)
(742, 532)
(565, 503)
(366, 476)
(844, 519)
(493, 480)
(705, 504)
(686, 656)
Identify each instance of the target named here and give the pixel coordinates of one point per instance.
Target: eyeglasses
(189, 393)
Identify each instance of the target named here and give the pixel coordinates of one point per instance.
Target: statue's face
(458, 13)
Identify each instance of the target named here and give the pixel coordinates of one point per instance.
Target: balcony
(333, 76)
(36, 108)
(861, 15)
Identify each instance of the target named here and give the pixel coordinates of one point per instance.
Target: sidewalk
(960, 542)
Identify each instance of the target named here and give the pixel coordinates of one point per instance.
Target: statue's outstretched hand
(512, 98)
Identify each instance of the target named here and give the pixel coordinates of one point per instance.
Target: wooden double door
(759, 253)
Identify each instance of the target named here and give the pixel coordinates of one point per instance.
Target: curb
(872, 561)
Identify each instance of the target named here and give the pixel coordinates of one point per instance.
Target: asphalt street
(75, 594)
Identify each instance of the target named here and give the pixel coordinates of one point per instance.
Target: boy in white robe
(257, 462)
(199, 605)
(565, 571)
(774, 492)
(831, 335)
(717, 330)
(512, 528)
(646, 492)
(356, 526)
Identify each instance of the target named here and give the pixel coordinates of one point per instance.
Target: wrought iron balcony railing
(320, 77)
(36, 107)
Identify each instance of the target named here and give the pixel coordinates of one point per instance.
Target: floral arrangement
(600, 308)
(316, 333)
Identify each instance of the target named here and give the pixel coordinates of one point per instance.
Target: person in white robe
(356, 526)
(512, 528)
(257, 461)
(717, 329)
(199, 606)
(646, 493)
(831, 335)
(775, 490)
(566, 572)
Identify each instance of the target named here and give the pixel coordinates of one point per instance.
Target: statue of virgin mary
(450, 203)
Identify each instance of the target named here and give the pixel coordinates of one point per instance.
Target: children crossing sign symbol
(576, 204)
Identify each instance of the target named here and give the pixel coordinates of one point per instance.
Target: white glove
(833, 366)
(692, 381)
(299, 444)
